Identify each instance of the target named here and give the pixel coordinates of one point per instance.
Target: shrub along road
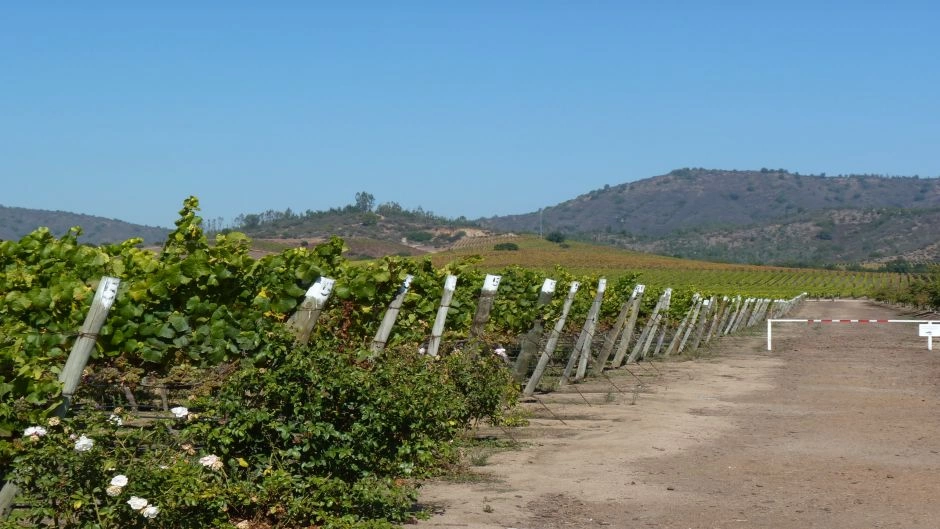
(836, 428)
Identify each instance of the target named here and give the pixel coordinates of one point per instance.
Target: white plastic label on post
(408, 279)
(109, 288)
(491, 283)
(450, 283)
(601, 285)
(575, 285)
(637, 290)
(548, 286)
(929, 329)
(706, 303)
(321, 289)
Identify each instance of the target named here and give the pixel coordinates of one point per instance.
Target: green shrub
(506, 246)
(419, 236)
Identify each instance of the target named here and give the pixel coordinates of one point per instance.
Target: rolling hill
(17, 222)
(766, 216)
(770, 216)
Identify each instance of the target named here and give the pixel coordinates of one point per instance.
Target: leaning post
(391, 314)
(551, 343)
(71, 374)
(450, 285)
(530, 340)
(484, 305)
(305, 317)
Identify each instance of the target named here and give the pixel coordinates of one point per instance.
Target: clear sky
(463, 108)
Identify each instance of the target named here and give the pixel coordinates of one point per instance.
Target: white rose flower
(137, 503)
(38, 431)
(180, 411)
(113, 490)
(150, 511)
(84, 444)
(119, 481)
(211, 461)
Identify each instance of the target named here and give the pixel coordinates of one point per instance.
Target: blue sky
(476, 108)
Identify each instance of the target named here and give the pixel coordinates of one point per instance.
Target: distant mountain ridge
(767, 216)
(770, 216)
(17, 222)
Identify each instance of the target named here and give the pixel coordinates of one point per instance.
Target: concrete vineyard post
(391, 314)
(305, 317)
(551, 343)
(484, 305)
(530, 340)
(450, 285)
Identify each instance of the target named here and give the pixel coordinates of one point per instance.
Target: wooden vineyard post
(680, 331)
(551, 343)
(760, 313)
(575, 355)
(719, 314)
(612, 335)
(743, 315)
(662, 338)
(635, 300)
(730, 314)
(485, 305)
(71, 374)
(305, 317)
(589, 327)
(652, 324)
(530, 340)
(649, 337)
(696, 311)
(735, 321)
(391, 314)
(708, 306)
(450, 285)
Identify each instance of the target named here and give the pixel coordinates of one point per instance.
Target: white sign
(548, 286)
(450, 283)
(929, 329)
(321, 289)
(491, 283)
(108, 289)
(601, 285)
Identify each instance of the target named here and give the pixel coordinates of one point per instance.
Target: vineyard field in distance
(662, 271)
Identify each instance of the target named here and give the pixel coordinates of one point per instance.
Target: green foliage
(67, 473)
(555, 236)
(419, 236)
(506, 246)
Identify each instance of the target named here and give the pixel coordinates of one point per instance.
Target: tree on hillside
(364, 201)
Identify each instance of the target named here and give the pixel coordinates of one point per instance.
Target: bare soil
(837, 427)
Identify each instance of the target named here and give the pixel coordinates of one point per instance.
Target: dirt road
(838, 427)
